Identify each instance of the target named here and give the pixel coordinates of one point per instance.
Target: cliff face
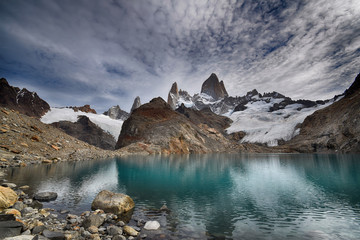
(334, 128)
(24, 101)
(157, 124)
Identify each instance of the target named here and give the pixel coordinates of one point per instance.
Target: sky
(107, 52)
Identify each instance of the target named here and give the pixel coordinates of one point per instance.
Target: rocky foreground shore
(23, 217)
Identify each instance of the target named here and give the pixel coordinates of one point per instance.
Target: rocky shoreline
(25, 218)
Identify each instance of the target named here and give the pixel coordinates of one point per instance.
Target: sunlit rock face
(156, 123)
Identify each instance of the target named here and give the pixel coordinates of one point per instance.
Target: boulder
(10, 229)
(7, 197)
(93, 220)
(113, 230)
(19, 205)
(110, 202)
(130, 231)
(152, 225)
(45, 196)
(53, 235)
(13, 212)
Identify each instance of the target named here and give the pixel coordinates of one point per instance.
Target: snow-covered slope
(113, 126)
(264, 126)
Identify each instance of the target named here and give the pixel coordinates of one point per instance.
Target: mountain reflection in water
(251, 196)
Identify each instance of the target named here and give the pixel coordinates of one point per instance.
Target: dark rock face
(214, 88)
(87, 131)
(334, 128)
(173, 96)
(355, 86)
(116, 112)
(10, 229)
(45, 196)
(136, 104)
(25, 102)
(156, 123)
(86, 109)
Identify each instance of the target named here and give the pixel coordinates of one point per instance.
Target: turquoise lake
(219, 196)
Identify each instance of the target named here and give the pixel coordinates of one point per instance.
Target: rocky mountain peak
(115, 112)
(86, 109)
(355, 86)
(173, 95)
(136, 104)
(24, 101)
(214, 88)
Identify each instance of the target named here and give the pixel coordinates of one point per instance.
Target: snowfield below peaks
(108, 124)
(262, 126)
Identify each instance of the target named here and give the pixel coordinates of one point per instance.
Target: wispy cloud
(107, 52)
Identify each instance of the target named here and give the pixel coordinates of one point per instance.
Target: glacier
(264, 126)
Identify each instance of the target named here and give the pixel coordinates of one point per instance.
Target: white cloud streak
(107, 52)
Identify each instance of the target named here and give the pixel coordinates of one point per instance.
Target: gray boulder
(93, 220)
(53, 235)
(10, 229)
(45, 196)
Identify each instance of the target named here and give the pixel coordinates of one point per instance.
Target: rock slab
(45, 196)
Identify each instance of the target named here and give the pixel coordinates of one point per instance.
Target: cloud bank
(108, 52)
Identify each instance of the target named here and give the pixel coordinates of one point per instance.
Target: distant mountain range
(268, 118)
(209, 121)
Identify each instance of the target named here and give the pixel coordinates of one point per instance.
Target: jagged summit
(173, 95)
(24, 101)
(214, 88)
(136, 104)
(115, 112)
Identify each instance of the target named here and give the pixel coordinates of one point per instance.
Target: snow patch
(112, 126)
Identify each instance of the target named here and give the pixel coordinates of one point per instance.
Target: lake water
(260, 196)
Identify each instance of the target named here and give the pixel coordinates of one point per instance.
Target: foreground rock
(45, 196)
(116, 203)
(7, 197)
(152, 225)
(87, 131)
(334, 128)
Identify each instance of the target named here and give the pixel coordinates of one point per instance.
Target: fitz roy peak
(214, 88)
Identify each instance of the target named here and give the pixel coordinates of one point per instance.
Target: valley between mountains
(207, 122)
